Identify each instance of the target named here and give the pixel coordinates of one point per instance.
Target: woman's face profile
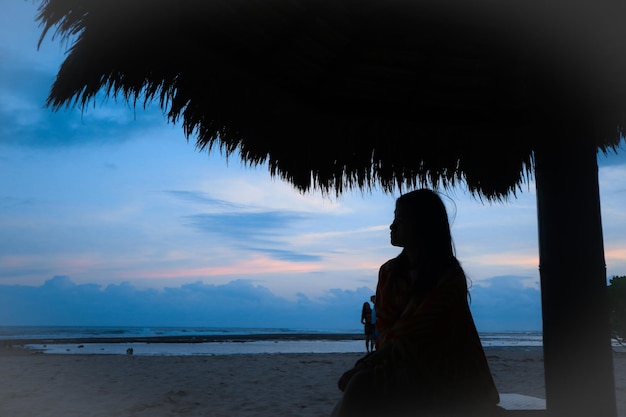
(401, 228)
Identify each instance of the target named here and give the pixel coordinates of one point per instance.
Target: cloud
(242, 225)
(287, 255)
(506, 299)
(259, 232)
(505, 304)
(239, 303)
(204, 199)
(26, 121)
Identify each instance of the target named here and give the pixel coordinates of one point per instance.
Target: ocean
(182, 341)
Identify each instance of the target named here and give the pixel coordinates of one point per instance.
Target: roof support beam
(576, 332)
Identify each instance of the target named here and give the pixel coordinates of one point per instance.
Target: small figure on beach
(368, 327)
(429, 359)
(130, 351)
(374, 329)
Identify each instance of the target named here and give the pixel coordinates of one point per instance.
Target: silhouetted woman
(368, 327)
(429, 360)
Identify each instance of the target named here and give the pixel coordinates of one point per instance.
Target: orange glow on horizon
(256, 265)
(618, 254)
(513, 260)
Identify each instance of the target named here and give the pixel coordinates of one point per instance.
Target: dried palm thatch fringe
(343, 94)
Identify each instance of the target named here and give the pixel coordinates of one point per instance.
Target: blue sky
(111, 217)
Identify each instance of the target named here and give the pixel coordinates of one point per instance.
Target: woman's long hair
(431, 228)
(366, 310)
(430, 221)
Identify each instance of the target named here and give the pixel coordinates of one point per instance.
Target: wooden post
(576, 331)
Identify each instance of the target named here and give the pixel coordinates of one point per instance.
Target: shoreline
(234, 338)
(21, 347)
(203, 345)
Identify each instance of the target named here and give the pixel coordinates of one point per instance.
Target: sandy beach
(298, 385)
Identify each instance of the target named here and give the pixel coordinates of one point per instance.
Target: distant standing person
(368, 328)
(374, 329)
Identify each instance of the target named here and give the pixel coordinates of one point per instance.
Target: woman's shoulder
(393, 263)
(389, 267)
(388, 264)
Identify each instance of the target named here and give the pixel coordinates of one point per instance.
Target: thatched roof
(337, 94)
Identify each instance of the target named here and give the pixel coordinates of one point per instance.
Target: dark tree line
(617, 307)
